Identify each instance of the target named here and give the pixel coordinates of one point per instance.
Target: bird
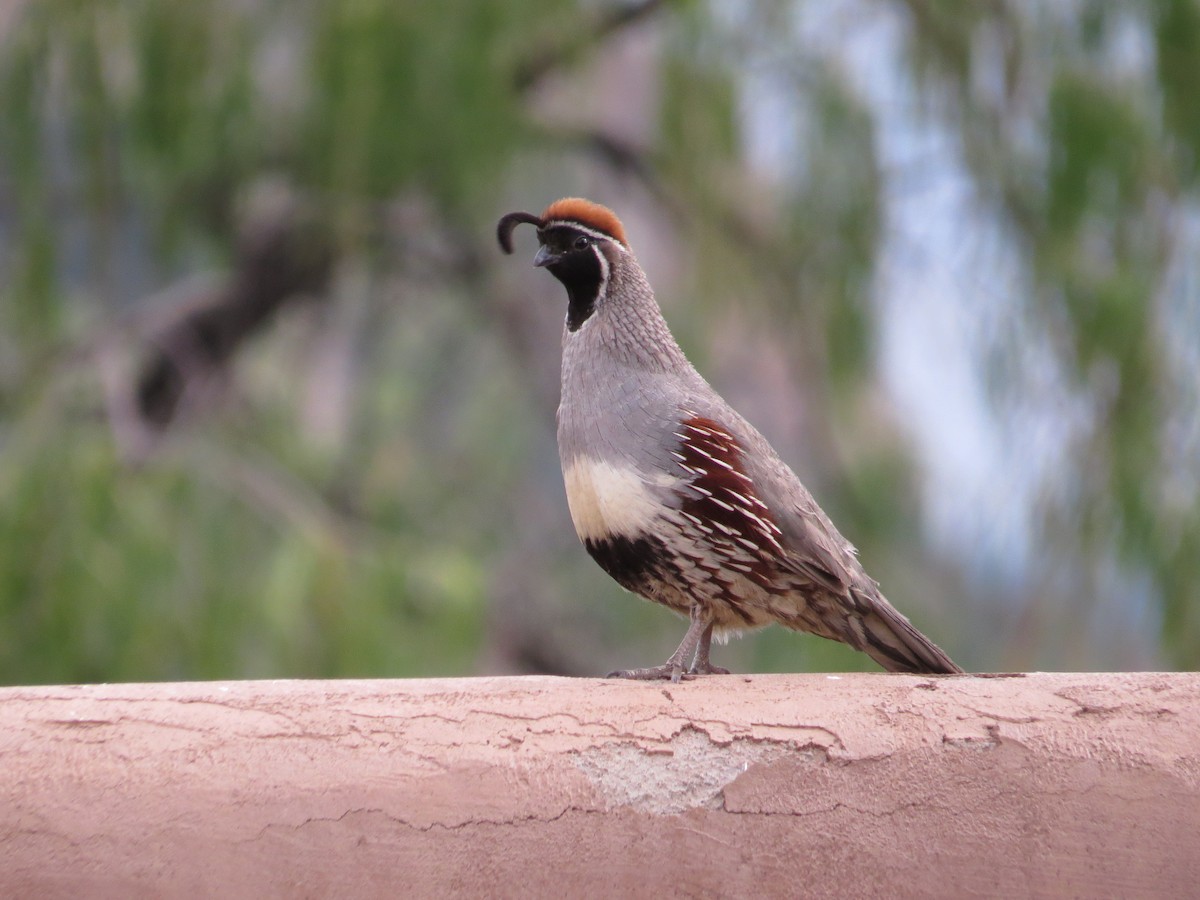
(672, 492)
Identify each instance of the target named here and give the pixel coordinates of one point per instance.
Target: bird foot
(668, 671)
(707, 668)
(694, 646)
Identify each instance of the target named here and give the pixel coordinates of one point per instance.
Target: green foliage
(168, 572)
(194, 125)
(255, 542)
(1177, 45)
(1098, 154)
(1099, 209)
(222, 559)
(29, 310)
(413, 95)
(698, 110)
(833, 227)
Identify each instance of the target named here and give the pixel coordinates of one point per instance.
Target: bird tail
(892, 641)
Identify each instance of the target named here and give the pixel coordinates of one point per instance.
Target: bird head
(580, 243)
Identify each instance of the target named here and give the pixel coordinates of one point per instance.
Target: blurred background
(272, 403)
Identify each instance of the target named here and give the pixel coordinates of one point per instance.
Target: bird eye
(582, 242)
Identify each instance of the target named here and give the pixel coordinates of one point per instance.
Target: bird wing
(739, 486)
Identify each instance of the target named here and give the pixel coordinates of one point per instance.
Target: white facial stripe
(590, 232)
(607, 500)
(604, 273)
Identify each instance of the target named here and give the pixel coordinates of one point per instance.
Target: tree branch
(610, 22)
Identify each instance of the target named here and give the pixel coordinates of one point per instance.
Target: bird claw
(666, 672)
(669, 672)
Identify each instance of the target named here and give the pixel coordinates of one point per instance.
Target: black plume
(505, 229)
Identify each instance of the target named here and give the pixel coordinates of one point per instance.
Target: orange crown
(590, 215)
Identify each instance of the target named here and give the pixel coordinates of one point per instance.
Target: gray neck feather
(623, 376)
(627, 327)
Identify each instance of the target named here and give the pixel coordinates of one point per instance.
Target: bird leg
(697, 639)
(701, 665)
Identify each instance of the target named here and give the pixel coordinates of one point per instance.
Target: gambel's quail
(674, 494)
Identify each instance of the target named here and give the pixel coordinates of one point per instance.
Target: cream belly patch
(608, 500)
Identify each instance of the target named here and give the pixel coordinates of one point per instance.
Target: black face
(573, 257)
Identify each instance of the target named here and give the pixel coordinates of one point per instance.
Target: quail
(674, 494)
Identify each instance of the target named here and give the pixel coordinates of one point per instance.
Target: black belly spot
(646, 567)
(634, 563)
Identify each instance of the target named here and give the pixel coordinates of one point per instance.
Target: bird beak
(545, 256)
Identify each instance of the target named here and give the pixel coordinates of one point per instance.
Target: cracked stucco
(854, 784)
